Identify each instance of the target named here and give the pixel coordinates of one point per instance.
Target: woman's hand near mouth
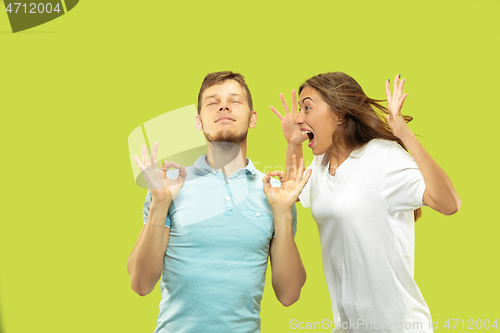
(291, 131)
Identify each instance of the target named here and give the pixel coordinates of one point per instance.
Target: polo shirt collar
(201, 163)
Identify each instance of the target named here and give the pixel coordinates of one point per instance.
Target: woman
(365, 193)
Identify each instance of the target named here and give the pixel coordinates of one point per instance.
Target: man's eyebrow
(211, 96)
(216, 95)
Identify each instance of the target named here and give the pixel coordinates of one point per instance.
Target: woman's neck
(336, 157)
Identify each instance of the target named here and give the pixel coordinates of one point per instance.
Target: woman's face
(317, 120)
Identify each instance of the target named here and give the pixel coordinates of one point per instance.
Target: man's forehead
(228, 87)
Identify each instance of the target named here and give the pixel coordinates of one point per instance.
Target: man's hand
(161, 188)
(281, 199)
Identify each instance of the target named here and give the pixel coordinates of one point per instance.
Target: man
(209, 227)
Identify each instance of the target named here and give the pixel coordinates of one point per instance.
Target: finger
(139, 164)
(395, 90)
(171, 164)
(304, 180)
(285, 106)
(145, 157)
(182, 174)
(294, 102)
(388, 91)
(154, 152)
(267, 181)
(280, 174)
(401, 86)
(300, 171)
(277, 113)
(401, 102)
(293, 169)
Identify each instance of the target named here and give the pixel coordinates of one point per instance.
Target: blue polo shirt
(216, 259)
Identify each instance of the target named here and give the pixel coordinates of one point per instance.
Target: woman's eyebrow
(307, 98)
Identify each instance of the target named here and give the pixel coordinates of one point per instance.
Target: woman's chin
(316, 151)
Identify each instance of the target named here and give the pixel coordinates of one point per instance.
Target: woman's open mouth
(311, 137)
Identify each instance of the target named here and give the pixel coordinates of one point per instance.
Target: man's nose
(224, 106)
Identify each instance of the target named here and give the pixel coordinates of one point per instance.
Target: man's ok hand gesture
(281, 199)
(162, 188)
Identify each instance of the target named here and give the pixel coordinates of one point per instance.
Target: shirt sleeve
(145, 211)
(403, 185)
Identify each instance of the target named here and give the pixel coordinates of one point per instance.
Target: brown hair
(363, 118)
(219, 78)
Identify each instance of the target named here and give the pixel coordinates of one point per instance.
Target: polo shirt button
(258, 214)
(228, 198)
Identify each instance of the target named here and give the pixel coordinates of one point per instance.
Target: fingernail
(399, 75)
(389, 80)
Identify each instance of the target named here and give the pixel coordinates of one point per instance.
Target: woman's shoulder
(392, 153)
(374, 146)
(381, 149)
(380, 144)
(385, 145)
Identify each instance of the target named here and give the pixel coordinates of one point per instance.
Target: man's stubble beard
(226, 136)
(229, 136)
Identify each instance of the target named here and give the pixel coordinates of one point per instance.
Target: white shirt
(366, 227)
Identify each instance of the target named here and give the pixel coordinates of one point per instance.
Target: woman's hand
(281, 199)
(290, 129)
(161, 187)
(395, 119)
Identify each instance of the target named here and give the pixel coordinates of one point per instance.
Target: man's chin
(226, 136)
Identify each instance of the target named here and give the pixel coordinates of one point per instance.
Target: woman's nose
(299, 119)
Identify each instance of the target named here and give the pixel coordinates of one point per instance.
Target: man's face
(225, 115)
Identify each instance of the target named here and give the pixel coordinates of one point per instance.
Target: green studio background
(73, 89)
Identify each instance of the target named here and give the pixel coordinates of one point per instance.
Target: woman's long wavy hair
(362, 117)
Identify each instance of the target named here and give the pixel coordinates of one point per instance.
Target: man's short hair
(219, 78)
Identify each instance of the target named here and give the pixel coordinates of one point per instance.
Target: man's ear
(199, 125)
(253, 119)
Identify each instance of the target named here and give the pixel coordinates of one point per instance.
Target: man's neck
(227, 157)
